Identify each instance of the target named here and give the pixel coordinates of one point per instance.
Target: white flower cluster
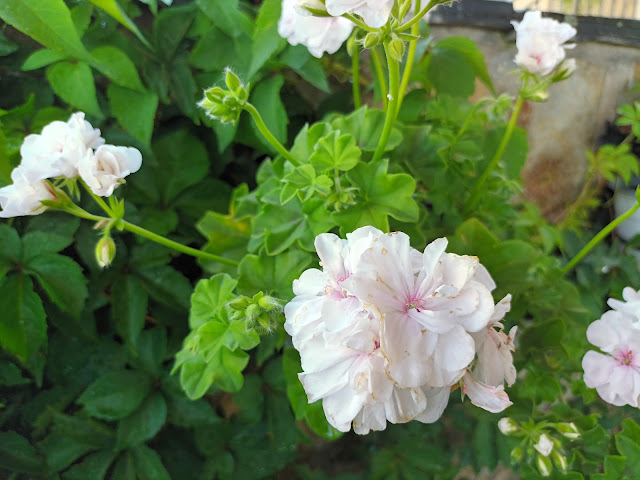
(541, 43)
(384, 332)
(65, 149)
(616, 375)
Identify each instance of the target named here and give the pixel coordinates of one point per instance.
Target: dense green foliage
(160, 367)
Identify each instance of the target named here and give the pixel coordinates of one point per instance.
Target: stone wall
(574, 118)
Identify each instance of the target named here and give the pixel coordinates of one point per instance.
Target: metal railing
(592, 8)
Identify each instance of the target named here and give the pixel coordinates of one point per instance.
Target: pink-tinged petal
(609, 331)
(405, 404)
(341, 407)
(338, 314)
(457, 270)
(311, 282)
(303, 317)
(488, 397)
(437, 400)
(597, 368)
(623, 387)
(330, 249)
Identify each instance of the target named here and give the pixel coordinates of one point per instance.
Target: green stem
(269, 136)
(411, 55)
(355, 66)
(405, 8)
(154, 237)
(377, 65)
(79, 212)
(418, 17)
(362, 25)
(601, 234)
(477, 189)
(103, 205)
(467, 122)
(392, 107)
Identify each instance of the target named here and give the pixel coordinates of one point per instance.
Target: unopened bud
(232, 80)
(559, 460)
(568, 430)
(252, 313)
(268, 303)
(371, 40)
(396, 48)
(352, 46)
(544, 445)
(507, 426)
(544, 465)
(239, 303)
(516, 455)
(105, 251)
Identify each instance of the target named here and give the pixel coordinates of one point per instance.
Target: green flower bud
(232, 80)
(568, 430)
(371, 40)
(352, 46)
(516, 455)
(396, 48)
(544, 465)
(268, 304)
(507, 426)
(559, 460)
(252, 313)
(105, 251)
(239, 303)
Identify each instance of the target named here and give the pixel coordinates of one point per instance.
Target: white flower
(631, 305)
(544, 445)
(507, 426)
(375, 13)
(426, 315)
(318, 34)
(23, 197)
(489, 397)
(105, 169)
(540, 42)
(57, 150)
(615, 376)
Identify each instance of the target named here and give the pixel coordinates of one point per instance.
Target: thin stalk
(392, 107)
(418, 17)
(154, 237)
(79, 212)
(266, 133)
(377, 66)
(355, 67)
(467, 122)
(598, 238)
(477, 189)
(103, 205)
(405, 8)
(411, 55)
(362, 25)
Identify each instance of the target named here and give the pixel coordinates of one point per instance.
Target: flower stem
(355, 66)
(419, 16)
(599, 236)
(154, 237)
(392, 106)
(477, 189)
(411, 55)
(103, 205)
(266, 133)
(360, 24)
(377, 66)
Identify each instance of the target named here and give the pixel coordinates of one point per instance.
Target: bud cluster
(226, 105)
(262, 312)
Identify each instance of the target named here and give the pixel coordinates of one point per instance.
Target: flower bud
(232, 80)
(544, 465)
(239, 303)
(252, 313)
(544, 445)
(371, 40)
(105, 251)
(516, 455)
(559, 460)
(507, 426)
(396, 48)
(268, 303)
(568, 430)
(352, 46)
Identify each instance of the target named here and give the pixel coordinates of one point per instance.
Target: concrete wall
(563, 128)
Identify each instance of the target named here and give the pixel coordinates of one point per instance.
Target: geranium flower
(105, 170)
(318, 34)
(616, 375)
(23, 197)
(375, 13)
(541, 43)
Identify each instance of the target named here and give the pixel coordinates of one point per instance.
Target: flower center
(624, 357)
(414, 302)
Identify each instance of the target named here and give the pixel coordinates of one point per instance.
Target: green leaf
(630, 449)
(10, 249)
(273, 274)
(61, 451)
(380, 195)
(10, 375)
(113, 9)
(227, 16)
(117, 66)
(515, 153)
(306, 140)
(23, 326)
(7, 47)
(335, 151)
(92, 467)
(266, 40)
(144, 423)
(50, 232)
(151, 348)
(148, 464)
(62, 279)
(17, 455)
(209, 298)
(306, 65)
(129, 308)
(73, 82)
(81, 16)
(84, 431)
(135, 111)
(472, 54)
(170, 27)
(124, 468)
(46, 21)
(166, 285)
(366, 127)
(450, 72)
(116, 395)
(266, 98)
(225, 236)
(42, 58)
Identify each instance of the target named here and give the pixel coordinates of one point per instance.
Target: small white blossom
(318, 34)
(616, 375)
(541, 43)
(23, 197)
(105, 170)
(544, 445)
(375, 13)
(57, 150)
(507, 426)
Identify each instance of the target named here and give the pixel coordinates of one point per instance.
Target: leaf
(92, 467)
(472, 54)
(17, 454)
(170, 27)
(266, 98)
(62, 279)
(81, 16)
(73, 83)
(135, 111)
(61, 451)
(380, 195)
(335, 151)
(115, 395)
(225, 236)
(42, 58)
(46, 21)
(144, 423)
(10, 249)
(129, 308)
(273, 274)
(227, 16)
(306, 140)
(306, 65)
(50, 232)
(166, 285)
(113, 9)
(148, 464)
(151, 348)
(7, 47)
(450, 72)
(114, 64)
(266, 40)
(124, 468)
(515, 153)
(23, 326)
(630, 449)
(366, 126)
(209, 298)
(85, 431)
